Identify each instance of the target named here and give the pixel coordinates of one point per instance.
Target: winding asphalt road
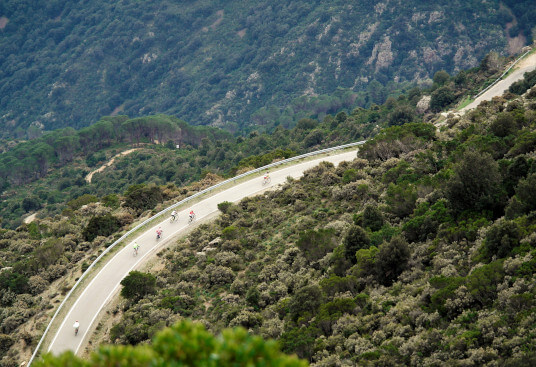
(106, 282)
(528, 64)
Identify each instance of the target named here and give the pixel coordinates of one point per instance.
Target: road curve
(106, 282)
(528, 64)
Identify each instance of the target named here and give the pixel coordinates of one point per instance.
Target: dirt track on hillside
(108, 164)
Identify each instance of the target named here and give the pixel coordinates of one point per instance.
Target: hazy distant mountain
(67, 63)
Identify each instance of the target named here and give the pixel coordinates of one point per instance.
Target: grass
(464, 102)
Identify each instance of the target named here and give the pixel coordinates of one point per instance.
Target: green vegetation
(420, 251)
(403, 256)
(185, 344)
(239, 64)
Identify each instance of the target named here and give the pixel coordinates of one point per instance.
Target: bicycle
(173, 218)
(135, 251)
(266, 180)
(191, 218)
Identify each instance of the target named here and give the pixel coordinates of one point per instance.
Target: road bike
(191, 218)
(173, 218)
(266, 180)
(136, 251)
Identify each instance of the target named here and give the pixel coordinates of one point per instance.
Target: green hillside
(419, 252)
(407, 255)
(237, 64)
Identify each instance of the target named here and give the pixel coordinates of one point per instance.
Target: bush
(316, 244)
(31, 203)
(526, 194)
(185, 344)
(503, 125)
(476, 189)
(141, 197)
(300, 341)
(441, 98)
(137, 284)
(401, 199)
(224, 206)
(372, 218)
(426, 220)
(306, 301)
(392, 258)
(103, 225)
(355, 240)
(81, 201)
(501, 239)
(482, 282)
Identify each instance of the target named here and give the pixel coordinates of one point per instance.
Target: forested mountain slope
(419, 252)
(407, 255)
(231, 63)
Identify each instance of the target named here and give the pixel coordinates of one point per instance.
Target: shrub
(316, 244)
(300, 341)
(103, 225)
(526, 194)
(401, 199)
(306, 301)
(31, 203)
(426, 220)
(356, 239)
(141, 197)
(503, 125)
(392, 258)
(482, 282)
(372, 218)
(441, 98)
(475, 189)
(137, 284)
(224, 206)
(501, 239)
(185, 344)
(82, 200)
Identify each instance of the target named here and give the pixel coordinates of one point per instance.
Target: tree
(142, 197)
(475, 189)
(306, 301)
(441, 98)
(503, 125)
(31, 203)
(372, 218)
(501, 239)
(316, 244)
(401, 115)
(355, 240)
(391, 260)
(441, 77)
(103, 225)
(137, 284)
(185, 344)
(526, 194)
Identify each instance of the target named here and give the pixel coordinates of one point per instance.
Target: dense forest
(236, 64)
(46, 172)
(405, 255)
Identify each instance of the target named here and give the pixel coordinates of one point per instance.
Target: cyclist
(173, 215)
(158, 233)
(266, 178)
(76, 326)
(191, 215)
(136, 247)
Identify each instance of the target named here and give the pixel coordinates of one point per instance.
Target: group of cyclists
(174, 217)
(159, 231)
